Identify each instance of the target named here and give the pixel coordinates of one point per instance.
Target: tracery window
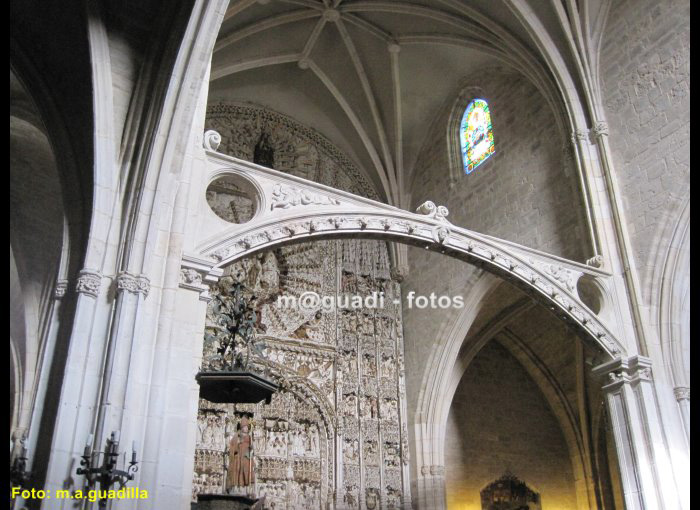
(476, 135)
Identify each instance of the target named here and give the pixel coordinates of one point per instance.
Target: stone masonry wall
(526, 192)
(645, 74)
(500, 421)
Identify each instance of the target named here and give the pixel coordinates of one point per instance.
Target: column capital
(136, 284)
(61, 288)
(198, 275)
(681, 393)
(89, 282)
(620, 371)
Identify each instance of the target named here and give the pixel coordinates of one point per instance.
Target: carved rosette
(135, 284)
(89, 283)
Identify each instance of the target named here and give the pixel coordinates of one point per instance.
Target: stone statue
(264, 154)
(240, 458)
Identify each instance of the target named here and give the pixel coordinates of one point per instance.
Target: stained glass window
(475, 135)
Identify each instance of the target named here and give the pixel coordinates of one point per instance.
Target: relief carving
(337, 369)
(284, 197)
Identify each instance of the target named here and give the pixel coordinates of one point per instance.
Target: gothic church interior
(201, 187)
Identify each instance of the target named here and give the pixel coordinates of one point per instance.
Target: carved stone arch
(674, 312)
(551, 391)
(474, 249)
(308, 392)
(564, 413)
(300, 210)
(288, 380)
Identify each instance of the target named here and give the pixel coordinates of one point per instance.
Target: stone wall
(500, 422)
(526, 192)
(645, 74)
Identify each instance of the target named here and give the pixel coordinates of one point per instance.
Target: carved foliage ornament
(600, 129)
(133, 283)
(681, 393)
(190, 277)
(89, 283)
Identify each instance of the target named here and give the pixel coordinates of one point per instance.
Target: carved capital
(579, 135)
(190, 278)
(681, 393)
(398, 273)
(61, 288)
(136, 284)
(599, 130)
(625, 371)
(89, 283)
(437, 470)
(198, 276)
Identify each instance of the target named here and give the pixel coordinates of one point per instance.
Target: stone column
(170, 435)
(78, 394)
(645, 468)
(682, 394)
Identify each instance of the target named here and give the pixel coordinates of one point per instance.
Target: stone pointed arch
(289, 381)
(290, 209)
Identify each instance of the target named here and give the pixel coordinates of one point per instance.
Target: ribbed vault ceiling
(372, 75)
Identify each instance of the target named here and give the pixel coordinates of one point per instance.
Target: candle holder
(230, 371)
(19, 476)
(107, 474)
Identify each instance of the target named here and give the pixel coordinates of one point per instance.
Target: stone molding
(623, 371)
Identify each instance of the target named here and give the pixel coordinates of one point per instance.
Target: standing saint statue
(240, 472)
